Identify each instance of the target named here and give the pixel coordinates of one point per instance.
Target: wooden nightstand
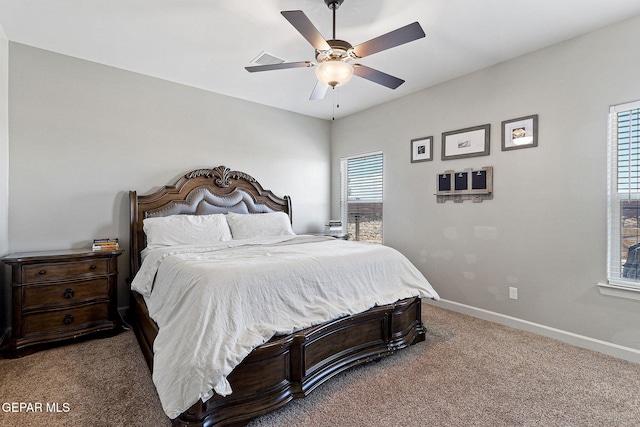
(61, 295)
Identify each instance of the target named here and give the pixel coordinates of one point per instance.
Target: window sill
(619, 291)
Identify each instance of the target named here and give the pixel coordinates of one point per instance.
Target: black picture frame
(445, 183)
(479, 180)
(462, 181)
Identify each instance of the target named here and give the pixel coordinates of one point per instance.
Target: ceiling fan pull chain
(336, 101)
(333, 104)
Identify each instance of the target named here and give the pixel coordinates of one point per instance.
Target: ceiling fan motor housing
(340, 51)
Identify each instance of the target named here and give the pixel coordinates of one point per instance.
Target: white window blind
(624, 194)
(361, 196)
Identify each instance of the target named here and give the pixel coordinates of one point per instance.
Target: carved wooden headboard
(200, 192)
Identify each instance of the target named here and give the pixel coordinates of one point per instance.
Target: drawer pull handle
(68, 319)
(68, 293)
(41, 272)
(93, 267)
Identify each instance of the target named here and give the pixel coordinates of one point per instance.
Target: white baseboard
(605, 347)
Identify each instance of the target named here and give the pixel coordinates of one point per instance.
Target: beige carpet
(104, 382)
(469, 373)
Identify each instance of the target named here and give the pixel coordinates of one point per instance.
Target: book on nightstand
(108, 244)
(333, 227)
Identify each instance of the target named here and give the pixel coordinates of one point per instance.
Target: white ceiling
(207, 43)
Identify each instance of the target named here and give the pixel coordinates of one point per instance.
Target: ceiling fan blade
(376, 76)
(284, 65)
(395, 38)
(299, 20)
(319, 91)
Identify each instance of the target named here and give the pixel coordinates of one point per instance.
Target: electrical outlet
(513, 293)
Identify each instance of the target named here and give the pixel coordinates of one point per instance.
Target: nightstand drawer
(64, 293)
(63, 270)
(71, 318)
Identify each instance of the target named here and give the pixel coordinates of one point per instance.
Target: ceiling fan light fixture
(334, 72)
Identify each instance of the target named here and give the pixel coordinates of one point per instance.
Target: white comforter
(214, 305)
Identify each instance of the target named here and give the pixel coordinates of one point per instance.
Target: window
(624, 195)
(361, 196)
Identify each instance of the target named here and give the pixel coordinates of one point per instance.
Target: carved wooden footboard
(292, 366)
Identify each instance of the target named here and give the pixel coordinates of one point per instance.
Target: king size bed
(236, 315)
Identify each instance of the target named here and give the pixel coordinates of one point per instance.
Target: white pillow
(185, 229)
(246, 226)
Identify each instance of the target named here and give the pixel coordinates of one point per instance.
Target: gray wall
(4, 168)
(545, 230)
(83, 134)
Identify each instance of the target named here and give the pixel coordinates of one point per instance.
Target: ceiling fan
(335, 58)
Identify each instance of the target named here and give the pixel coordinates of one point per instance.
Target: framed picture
(444, 182)
(520, 133)
(469, 142)
(422, 149)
